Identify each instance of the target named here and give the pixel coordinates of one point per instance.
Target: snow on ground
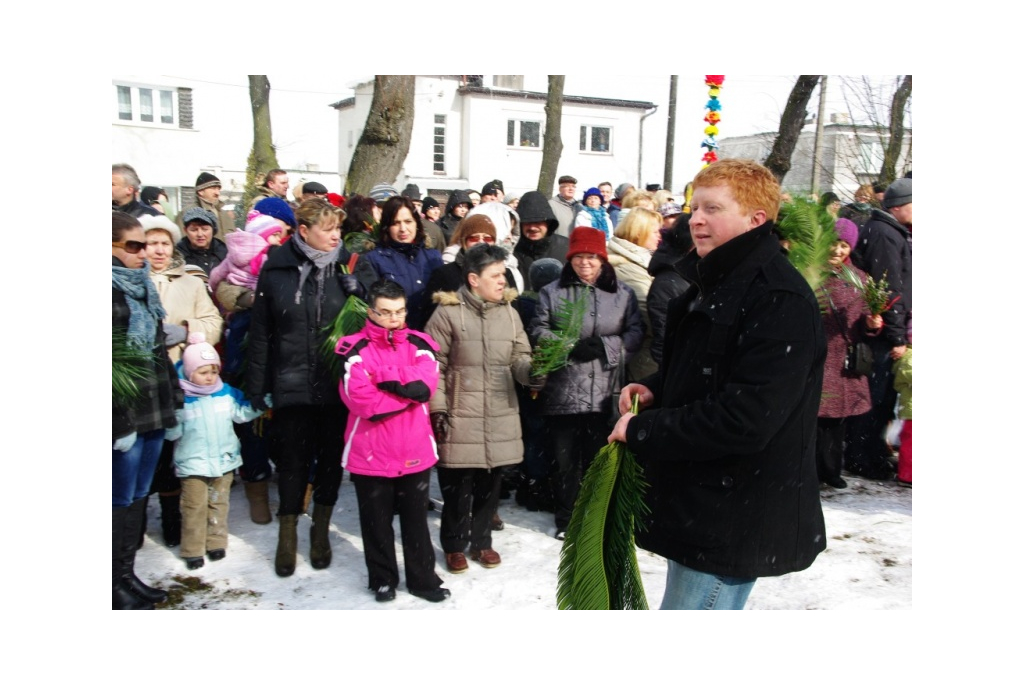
(867, 565)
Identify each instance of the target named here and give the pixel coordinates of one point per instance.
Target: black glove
(352, 287)
(439, 422)
(537, 383)
(259, 403)
(587, 349)
(417, 391)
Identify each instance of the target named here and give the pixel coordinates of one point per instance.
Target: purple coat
(842, 393)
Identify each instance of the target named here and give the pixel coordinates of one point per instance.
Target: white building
(470, 130)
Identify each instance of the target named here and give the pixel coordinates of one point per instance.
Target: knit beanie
(336, 200)
(412, 191)
(262, 225)
(847, 230)
(161, 223)
(490, 188)
(592, 191)
(429, 203)
(544, 271)
(898, 193)
(382, 191)
(206, 180)
(477, 223)
(199, 214)
(584, 239)
(620, 192)
(533, 208)
(198, 354)
(277, 208)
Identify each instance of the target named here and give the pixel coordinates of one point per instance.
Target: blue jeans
(133, 470)
(689, 589)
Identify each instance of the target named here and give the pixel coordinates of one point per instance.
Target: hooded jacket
(613, 314)
(449, 222)
(666, 285)
(386, 384)
(483, 352)
(728, 445)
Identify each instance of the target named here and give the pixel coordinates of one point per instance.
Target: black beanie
(206, 180)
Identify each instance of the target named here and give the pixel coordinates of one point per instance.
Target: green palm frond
(350, 319)
(811, 232)
(552, 353)
(128, 365)
(598, 568)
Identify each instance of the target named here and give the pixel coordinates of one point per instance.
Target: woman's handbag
(859, 359)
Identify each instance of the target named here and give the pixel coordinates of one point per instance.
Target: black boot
(170, 518)
(319, 536)
(287, 545)
(142, 529)
(124, 539)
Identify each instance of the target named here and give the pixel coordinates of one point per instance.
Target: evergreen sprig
(128, 366)
(810, 231)
(552, 352)
(598, 568)
(349, 320)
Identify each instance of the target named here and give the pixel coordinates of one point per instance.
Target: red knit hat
(584, 239)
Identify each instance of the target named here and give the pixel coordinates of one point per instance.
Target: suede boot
(319, 544)
(258, 495)
(170, 518)
(287, 545)
(124, 541)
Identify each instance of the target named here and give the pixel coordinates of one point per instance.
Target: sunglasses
(130, 246)
(477, 237)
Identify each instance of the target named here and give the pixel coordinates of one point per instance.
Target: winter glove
(587, 349)
(125, 443)
(417, 391)
(439, 422)
(260, 403)
(172, 434)
(174, 334)
(245, 300)
(352, 287)
(537, 383)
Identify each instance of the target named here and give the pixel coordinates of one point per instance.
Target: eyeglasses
(130, 246)
(390, 315)
(477, 237)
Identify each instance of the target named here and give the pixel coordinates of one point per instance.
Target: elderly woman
(139, 420)
(200, 246)
(189, 310)
(578, 398)
(300, 291)
(629, 252)
(475, 413)
(401, 256)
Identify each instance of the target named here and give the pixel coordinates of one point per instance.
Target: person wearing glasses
(401, 256)
(390, 372)
(577, 401)
(139, 419)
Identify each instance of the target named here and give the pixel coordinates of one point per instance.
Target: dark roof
(573, 99)
(342, 104)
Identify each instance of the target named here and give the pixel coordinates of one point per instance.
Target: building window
(595, 139)
(147, 105)
(523, 133)
(871, 157)
(440, 127)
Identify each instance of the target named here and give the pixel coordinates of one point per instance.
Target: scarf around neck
(314, 257)
(144, 309)
(193, 390)
(599, 218)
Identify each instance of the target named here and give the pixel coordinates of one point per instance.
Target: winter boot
(142, 530)
(170, 518)
(258, 495)
(319, 544)
(287, 545)
(124, 541)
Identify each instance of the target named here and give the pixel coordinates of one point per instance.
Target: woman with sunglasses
(401, 256)
(139, 418)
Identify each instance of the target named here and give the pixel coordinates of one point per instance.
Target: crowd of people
(748, 399)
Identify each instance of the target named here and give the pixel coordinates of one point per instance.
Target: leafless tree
(552, 136)
(792, 122)
(262, 157)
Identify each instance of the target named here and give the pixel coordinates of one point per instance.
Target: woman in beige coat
(629, 252)
(483, 352)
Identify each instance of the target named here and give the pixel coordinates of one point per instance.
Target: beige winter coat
(483, 352)
(187, 302)
(630, 262)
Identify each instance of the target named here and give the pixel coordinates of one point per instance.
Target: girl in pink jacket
(389, 374)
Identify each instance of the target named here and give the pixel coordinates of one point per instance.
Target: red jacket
(387, 380)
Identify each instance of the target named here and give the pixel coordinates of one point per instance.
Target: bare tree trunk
(892, 150)
(670, 136)
(385, 141)
(552, 136)
(262, 157)
(792, 123)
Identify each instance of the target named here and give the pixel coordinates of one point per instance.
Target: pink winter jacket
(387, 380)
(246, 254)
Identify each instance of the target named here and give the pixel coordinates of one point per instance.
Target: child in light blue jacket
(207, 451)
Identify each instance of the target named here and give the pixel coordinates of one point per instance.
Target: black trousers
(378, 499)
(573, 441)
(829, 448)
(301, 436)
(866, 451)
(470, 500)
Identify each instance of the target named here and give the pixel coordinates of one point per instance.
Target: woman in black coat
(300, 292)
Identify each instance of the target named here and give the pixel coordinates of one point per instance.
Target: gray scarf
(317, 258)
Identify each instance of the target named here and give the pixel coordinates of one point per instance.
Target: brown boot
(258, 495)
(305, 499)
(287, 545)
(319, 544)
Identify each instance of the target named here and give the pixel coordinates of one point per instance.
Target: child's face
(276, 238)
(206, 375)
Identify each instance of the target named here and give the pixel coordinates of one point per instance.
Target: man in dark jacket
(458, 206)
(539, 239)
(668, 283)
(727, 427)
(124, 184)
(883, 251)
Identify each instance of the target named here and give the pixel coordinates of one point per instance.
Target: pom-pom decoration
(712, 117)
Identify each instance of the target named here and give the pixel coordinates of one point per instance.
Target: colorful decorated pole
(714, 84)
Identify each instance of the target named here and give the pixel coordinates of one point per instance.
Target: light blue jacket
(207, 445)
